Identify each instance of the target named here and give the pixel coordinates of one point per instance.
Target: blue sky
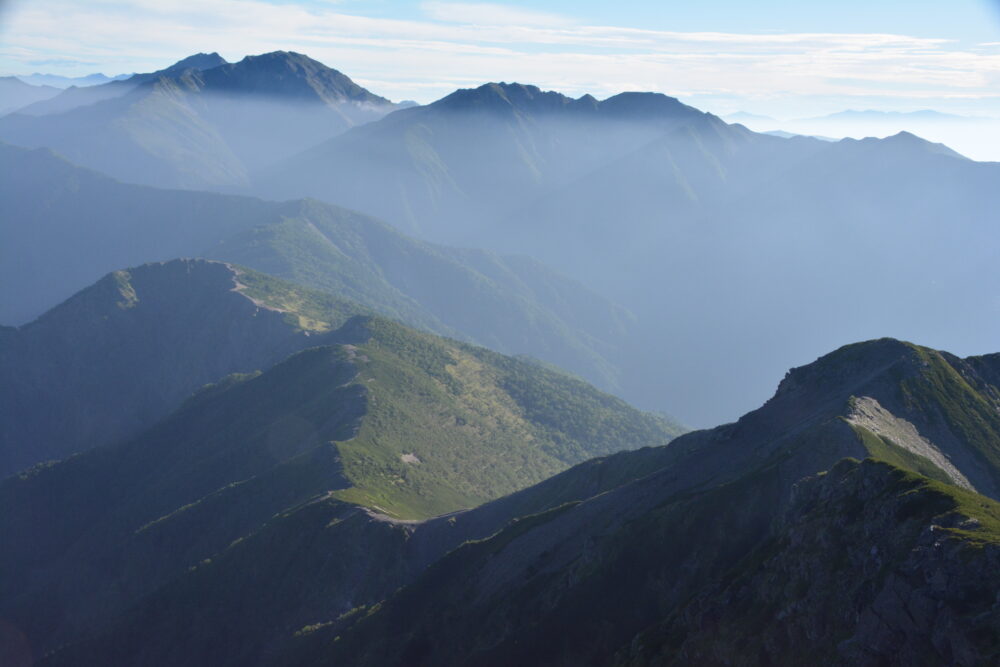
(783, 58)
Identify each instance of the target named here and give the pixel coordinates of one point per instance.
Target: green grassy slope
(452, 426)
(122, 354)
(376, 415)
(629, 556)
(68, 226)
(636, 570)
(752, 592)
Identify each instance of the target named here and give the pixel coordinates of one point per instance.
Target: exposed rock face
(867, 413)
(868, 566)
(712, 550)
(721, 555)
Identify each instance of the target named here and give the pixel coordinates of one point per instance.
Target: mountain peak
(289, 75)
(848, 366)
(646, 105)
(200, 61)
(527, 98)
(504, 96)
(908, 142)
(284, 58)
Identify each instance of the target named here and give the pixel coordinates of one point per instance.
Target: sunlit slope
(68, 226)
(728, 510)
(371, 417)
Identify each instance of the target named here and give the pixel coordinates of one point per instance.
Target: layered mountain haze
(75, 225)
(15, 93)
(292, 374)
(447, 169)
(126, 350)
(201, 123)
(79, 96)
(370, 415)
(645, 200)
(691, 223)
(59, 81)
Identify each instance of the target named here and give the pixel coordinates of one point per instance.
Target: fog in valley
(733, 255)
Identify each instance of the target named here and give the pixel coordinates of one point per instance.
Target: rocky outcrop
(869, 565)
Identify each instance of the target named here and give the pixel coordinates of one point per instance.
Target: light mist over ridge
(558, 367)
(739, 253)
(202, 123)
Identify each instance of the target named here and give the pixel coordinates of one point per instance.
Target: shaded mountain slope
(378, 416)
(869, 565)
(68, 226)
(623, 557)
(596, 574)
(192, 127)
(123, 353)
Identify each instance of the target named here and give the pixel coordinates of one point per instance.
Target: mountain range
(782, 247)
(285, 513)
(79, 96)
(57, 81)
(284, 384)
(365, 413)
(75, 225)
(200, 123)
(644, 200)
(924, 115)
(15, 94)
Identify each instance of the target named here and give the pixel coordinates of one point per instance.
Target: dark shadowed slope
(376, 415)
(624, 557)
(719, 557)
(121, 354)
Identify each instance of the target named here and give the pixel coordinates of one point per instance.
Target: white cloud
(465, 44)
(488, 14)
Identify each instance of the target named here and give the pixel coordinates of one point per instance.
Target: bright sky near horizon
(785, 58)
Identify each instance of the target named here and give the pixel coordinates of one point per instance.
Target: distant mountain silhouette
(200, 123)
(78, 96)
(475, 154)
(689, 221)
(59, 81)
(16, 94)
(923, 115)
